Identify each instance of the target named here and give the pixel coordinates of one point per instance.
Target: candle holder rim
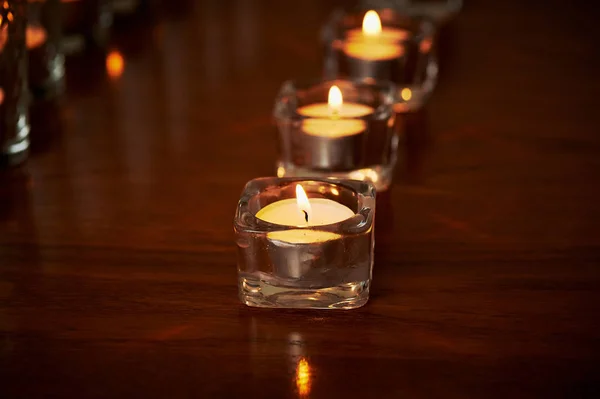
(245, 220)
(290, 88)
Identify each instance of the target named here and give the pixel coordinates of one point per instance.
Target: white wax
(333, 128)
(326, 122)
(345, 110)
(286, 212)
(381, 46)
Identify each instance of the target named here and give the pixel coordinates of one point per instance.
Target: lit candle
(336, 118)
(333, 132)
(304, 213)
(374, 43)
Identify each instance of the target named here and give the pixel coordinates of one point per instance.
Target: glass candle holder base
(322, 259)
(16, 151)
(380, 175)
(266, 291)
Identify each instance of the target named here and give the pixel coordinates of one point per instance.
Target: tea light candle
(372, 42)
(334, 119)
(334, 138)
(302, 212)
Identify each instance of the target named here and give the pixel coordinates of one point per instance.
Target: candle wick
(305, 216)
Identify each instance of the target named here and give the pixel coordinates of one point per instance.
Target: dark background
(117, 261)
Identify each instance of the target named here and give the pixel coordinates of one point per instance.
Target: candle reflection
(303, 377)
(297, 356)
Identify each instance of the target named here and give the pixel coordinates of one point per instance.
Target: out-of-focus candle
(35, 36)
(115, 64)
(304, 212)
(374, 42)
(336, 118)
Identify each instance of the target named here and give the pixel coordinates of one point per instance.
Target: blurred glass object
(86, 24)
(390, 46)
(123, 7)
(43, 41)
(439, 11)
(14, 100)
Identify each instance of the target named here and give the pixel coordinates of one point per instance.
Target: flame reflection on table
(303, 377)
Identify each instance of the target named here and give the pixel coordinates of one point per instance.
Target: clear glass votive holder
(440, 11)
(43, 40)
(403, 52)
(14, 96)
(305, 265)
(359, 142)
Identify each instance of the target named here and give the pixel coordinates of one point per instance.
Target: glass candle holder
(43, 40)
(353, 139)
(14, 101)
(321, 258)
(439, 11)
(384, 45)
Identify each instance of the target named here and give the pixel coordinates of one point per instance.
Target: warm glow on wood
(303, 377)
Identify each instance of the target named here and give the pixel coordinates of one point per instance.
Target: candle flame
(371, 24)
(335, 99)
(302, 201)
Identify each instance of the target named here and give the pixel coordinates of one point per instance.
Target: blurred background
(173, 99)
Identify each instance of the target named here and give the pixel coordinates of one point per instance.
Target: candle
(374, 43)
(301, 252)
(35, 36)
(331, 119)
(304, 213)
(334, 131)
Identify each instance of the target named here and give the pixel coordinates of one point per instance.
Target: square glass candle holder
(358, 140)
(286, 262)
(384, 44)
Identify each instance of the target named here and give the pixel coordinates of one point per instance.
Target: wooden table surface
(117, 261)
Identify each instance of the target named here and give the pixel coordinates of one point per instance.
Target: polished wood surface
(117, 261)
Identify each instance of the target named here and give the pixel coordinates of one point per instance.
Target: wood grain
(117, 262)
